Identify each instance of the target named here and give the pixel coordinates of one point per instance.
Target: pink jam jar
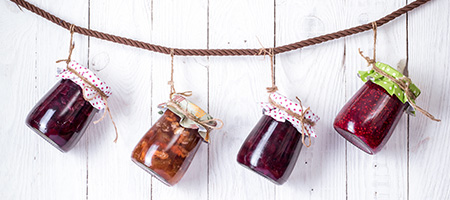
(62, 115)
(273, 146)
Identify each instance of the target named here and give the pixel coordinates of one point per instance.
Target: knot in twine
(190, 116)
(403, 82)
(91, 86)
(300, 117)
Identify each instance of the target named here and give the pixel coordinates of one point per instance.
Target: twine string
(300, 117)
(90, 85)
(271, 54)
(403, 82)
(174, 105)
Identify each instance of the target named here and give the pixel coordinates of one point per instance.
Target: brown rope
(300, 118)
(85, 80)
(218, 52)
(403, 82)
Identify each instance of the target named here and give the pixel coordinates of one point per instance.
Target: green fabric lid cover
(391, 87)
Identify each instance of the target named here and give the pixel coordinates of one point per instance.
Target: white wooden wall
(413, 165)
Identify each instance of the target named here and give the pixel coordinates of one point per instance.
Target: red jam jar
(368, 119)
(272, 147)
(167, 149)
(62, 115)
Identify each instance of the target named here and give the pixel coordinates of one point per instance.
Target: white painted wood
(384, 175)
(111, 174)
(30, 48)
(236, 85)
(310, 74)
(229, 88)
(429, 156)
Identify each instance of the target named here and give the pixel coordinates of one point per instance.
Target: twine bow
(91, 86)
(300, 117)
(403, 82)
(186, 113)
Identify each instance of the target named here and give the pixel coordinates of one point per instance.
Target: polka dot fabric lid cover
(97, 102)
(281, 116)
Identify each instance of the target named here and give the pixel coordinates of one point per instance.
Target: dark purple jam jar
(271, 149)
(369, 117)
(62, 115)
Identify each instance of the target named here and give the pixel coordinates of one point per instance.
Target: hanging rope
(403, 82)
(217, 52)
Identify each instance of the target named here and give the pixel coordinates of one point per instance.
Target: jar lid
(89, 93)
(281, 116)
(391, 87)
(195, 111)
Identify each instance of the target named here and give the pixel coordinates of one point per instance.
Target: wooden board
(411, 166)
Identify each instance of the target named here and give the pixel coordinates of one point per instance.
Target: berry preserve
(369, 117)
(271, 149)
(62, 115)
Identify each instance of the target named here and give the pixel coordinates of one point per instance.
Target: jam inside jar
(271, 149)
(369, 117)
(167, 149)
(62, 115)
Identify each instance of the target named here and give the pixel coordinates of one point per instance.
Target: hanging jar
(368, 119)
(167, 149)
(63, 114)
(273, 146)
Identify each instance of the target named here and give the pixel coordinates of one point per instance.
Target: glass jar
(273, 146)
(271, 149)
(368, 119)
(62, 115)
(168, 148)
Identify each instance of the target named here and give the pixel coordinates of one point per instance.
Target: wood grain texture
(236, 85)
(32, 165)
(429, 152)
(111, 174)
(411, 166)
(309, 74)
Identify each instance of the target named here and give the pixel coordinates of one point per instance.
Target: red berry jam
(369, 117)
(167, 149)
(271, 149)
(62, 115)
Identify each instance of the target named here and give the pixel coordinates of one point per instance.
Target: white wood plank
(229, 88)
(33, 46)
(384, 175)
(429, 157)
(236, 85)
(111, 173)
(181, 24)
(315, 75)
